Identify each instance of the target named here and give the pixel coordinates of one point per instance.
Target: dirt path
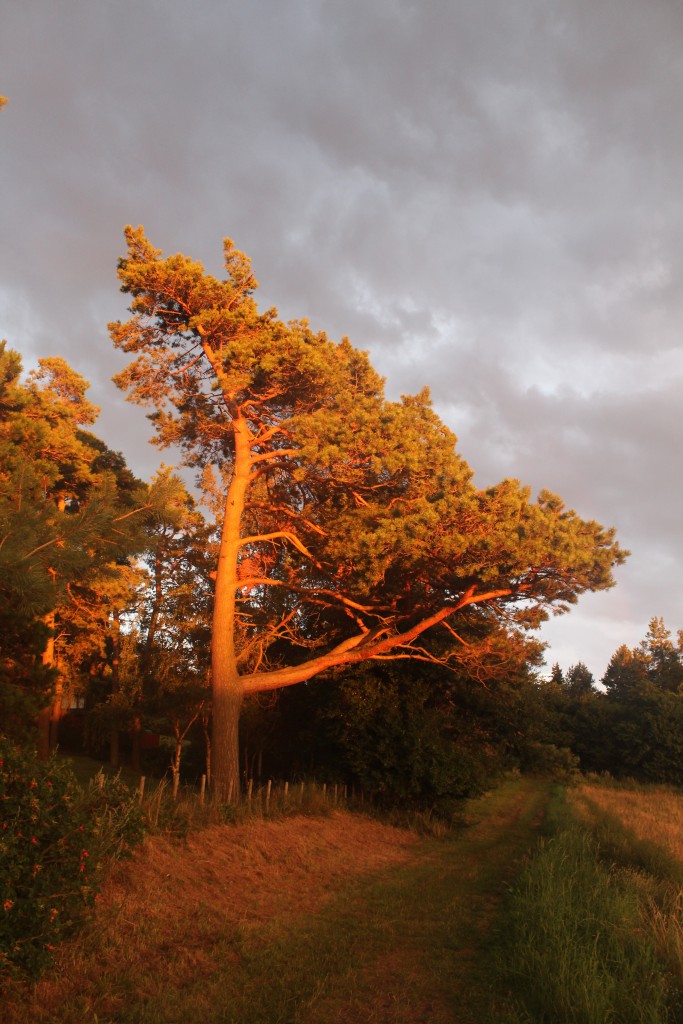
(301, 921)
(432, 918)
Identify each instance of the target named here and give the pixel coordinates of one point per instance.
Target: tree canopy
(349, 526)
(72, 515)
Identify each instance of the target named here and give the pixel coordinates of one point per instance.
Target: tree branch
(284, 534)
(361, 647)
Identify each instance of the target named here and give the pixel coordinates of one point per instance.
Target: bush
(549, 760)
(54, 840)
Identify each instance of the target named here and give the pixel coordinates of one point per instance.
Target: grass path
(302, 921)
(427, 922)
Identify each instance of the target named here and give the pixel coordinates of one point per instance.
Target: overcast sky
(484, 194)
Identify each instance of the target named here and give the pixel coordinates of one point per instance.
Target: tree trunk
(175, 763)
(226, 684)
(135, 737)
(225, 773)
(55, 715)
(45, 714)
(207, 745)
(114, 741)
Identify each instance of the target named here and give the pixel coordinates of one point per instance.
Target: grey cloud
(486, 197)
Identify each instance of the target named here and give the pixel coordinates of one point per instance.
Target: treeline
(107, 590)
(106, 602)
(101, 575)
(415, 733)
(631, 725)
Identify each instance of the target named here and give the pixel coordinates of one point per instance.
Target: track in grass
(300, 921)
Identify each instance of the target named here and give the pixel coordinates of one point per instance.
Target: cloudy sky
(485, 195)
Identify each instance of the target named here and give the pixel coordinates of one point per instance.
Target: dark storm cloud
(485, 196)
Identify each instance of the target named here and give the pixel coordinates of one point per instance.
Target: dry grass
(653, 815)
(300, 920)
(175, 904)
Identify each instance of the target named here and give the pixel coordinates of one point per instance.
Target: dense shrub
(54, 840)
(401, 747)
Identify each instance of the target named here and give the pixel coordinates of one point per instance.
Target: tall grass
(590, 938)
(651, 814)
(186, 813)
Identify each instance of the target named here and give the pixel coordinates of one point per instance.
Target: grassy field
(593, 929)
(303, 919)
(543, 907)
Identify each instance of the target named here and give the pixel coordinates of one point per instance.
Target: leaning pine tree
(350, 528)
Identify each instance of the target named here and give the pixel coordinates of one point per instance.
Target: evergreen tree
(349, 528)
(70, 515)
(626, 674)
(663, 658)
(557, 675)
(579, 681)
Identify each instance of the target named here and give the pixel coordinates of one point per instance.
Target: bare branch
(363, 647)
(277, 453)
(283, 534)
(187, 366)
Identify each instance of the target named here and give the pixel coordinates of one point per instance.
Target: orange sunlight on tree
(349, 527)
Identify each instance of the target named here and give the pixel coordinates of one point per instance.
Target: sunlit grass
(652, 813)
(295, 920)
(592, 931)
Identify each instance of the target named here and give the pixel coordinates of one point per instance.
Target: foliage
(655, 664)
(626, 674)
(632, 726)
(579, 681)
(400, 745)
(349, 526)
(409, 733)
(54, 842)
(70, 519)
(164, 658)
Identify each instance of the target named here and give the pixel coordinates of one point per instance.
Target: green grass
(577, 942)
(527, 913)
(412, 924)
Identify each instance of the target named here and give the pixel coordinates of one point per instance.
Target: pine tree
(70, 518)
(349, 526)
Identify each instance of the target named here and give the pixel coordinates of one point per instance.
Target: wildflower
(8, 904)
